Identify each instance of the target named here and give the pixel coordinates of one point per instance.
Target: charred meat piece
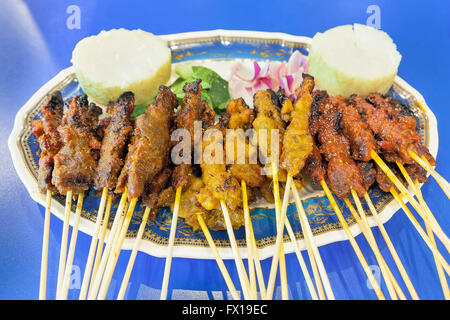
(75, 162)
(343, 174)
(149, 150)
(394, 135)
(115, 137)
(297, 140)
(314, 167)
(48, 138)
(355, 130)
(384, 183)
(368, 173)
(158, 193)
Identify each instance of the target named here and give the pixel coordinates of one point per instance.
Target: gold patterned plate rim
(190, 251)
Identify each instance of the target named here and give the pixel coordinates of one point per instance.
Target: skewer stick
(398, 261)
(93, 246)
(421, 232)
(259, 274)
(308, 233)
(280, 221)
(416, 188)
(237, 257)
(126, 277)
(71, 253)
(355, 246)
(249, 242)
(365, 228)
(301, 261)
(101, 239)
(97, 277)
(423, 162)
(279, 239)
(116, 252)
(65, 236)
(432, 222)
(173, 231)
(44, 258)
(220, 264)
(440, 270)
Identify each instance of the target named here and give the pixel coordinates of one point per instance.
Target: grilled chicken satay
(297, 140)
(149, 150)
(115, 138)
(241, 117)
(75, 163)
(48, 137)
(343, 173)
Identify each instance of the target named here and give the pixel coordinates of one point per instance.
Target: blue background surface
(35, 44)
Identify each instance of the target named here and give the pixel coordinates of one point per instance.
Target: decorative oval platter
(218, 50)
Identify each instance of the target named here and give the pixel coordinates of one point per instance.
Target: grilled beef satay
(297, 140)
(343, 173)
(149, 149)
(48, 137)
(75, 163)
(115, 138)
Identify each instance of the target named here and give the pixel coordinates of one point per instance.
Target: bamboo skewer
(116, 252)
(258, 269)
(421, 232)
(97, 277)
(44, 257)
(249, 242)
(279, 248)
(301, 261)
(439, 268)
(237, 258)
(308, 234)
(101, 238)
(416, 188)
(392, 250)
(365, 228)
(71, 253)
(432, 222)
(93, 246)
(173, 230)
(219, 260)
(278, 241)
(65, 236)
(126, 277)
(355, 246)
(423, 162)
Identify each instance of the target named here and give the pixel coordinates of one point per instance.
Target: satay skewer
(64, 239)
(93, 246)
(44, 257)
(391, 248)
(423, 162)
(173, 230)
(117, 247)
(365, 228)
(428, 219)
(416, 188)
(97, 277)
(353, 243)
(242, 274)
(249, 242)
(71, 253)
(220, 264)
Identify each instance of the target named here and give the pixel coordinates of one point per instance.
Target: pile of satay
(344, 146)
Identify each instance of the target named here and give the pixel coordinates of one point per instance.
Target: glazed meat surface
(297, 140)
(149, 150)
(115, 138)
(75, 162)
(48, 137)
